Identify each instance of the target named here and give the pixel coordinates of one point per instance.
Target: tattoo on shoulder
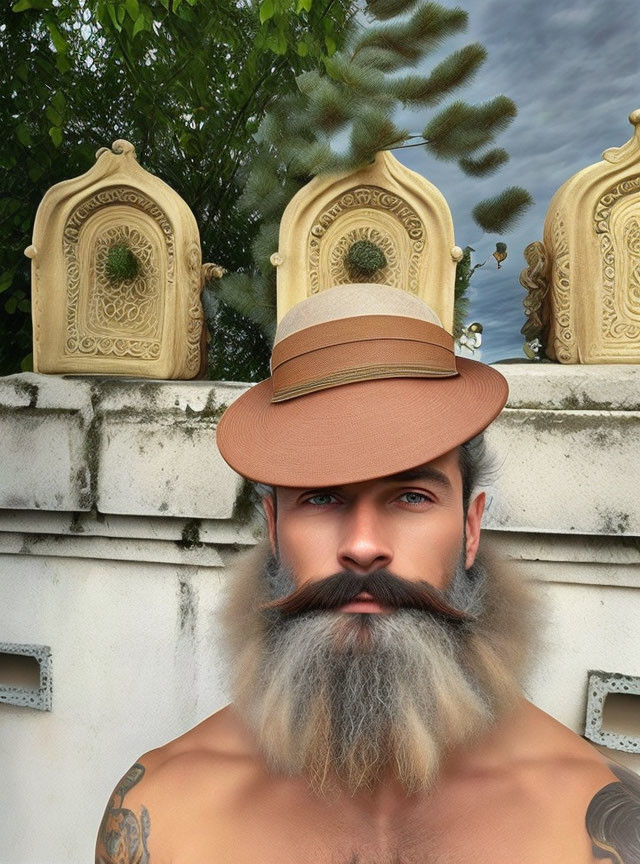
(613, 818)
(122, 836)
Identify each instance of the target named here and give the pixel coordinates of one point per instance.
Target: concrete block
(43, 428)
(566, 449)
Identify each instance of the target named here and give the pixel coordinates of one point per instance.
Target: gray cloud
(573, 70)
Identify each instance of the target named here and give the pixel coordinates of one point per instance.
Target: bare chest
(488, 828)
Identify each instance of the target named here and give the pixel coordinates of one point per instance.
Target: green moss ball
(365, 258)
(121, 263)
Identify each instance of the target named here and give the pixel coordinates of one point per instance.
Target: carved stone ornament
(385, 204)
(592, 243)
(116, 275)
(535, 280)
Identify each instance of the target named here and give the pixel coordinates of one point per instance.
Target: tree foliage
(186, 81)
(236, 105)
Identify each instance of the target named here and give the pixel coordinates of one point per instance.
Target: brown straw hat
(364, 383)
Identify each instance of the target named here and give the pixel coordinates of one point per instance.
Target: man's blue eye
(415, 497)
(320, 500)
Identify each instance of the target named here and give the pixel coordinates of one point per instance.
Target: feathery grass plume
(265, 244)
(308, 81)
(307, 157)
(455, 71)
(458, 68)
(414, 39)
(432, 23)
(381, 59)
(460, 312)
(356, 77)
(502, 213)
(459, 129)
(264, 192)
(446, 134)
(484, 165)
(252, 295)
(393, 38)
(285, 114)
(383, 9)
(497, 113)
(330, 108)
(375, 131)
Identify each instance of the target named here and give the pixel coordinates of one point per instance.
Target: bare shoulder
(598, 795)
(146, 814)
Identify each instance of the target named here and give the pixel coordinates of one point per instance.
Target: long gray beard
(348, 700)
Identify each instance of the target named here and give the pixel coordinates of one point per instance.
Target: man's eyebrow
(424, 472)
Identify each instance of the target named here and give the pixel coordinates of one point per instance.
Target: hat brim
(358, 431)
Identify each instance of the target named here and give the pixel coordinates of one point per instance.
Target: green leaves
(17, 302)
(23, 135)
(277, 42)
(133, 8)
(23, 5)
(59, 42)
(267, 10)
(53, 116)
(55, 133)
(6, 279)
(138, 25)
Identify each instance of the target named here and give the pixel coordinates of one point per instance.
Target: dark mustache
(386, 588)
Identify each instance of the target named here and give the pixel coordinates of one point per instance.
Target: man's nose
(362, 547)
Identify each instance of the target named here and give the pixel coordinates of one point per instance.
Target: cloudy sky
(573, 69)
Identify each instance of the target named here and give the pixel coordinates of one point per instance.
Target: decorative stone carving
(592, 244)
(535, 280)
(117, 275)
(389, 207)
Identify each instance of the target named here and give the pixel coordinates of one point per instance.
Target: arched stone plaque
(116, 275)
(391, 208)
(591, 252)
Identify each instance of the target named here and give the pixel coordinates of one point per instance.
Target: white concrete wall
(117, 517)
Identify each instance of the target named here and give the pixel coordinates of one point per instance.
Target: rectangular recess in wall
(613, 711)
(25, 675)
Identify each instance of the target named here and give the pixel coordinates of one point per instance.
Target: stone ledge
(117, 445)
(219, 531)
(107, 548)
(559, 387)
(569, 560)
(193, 542)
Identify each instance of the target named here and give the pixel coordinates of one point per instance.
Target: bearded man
(374, 653)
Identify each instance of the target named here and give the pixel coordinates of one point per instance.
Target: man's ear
(472, 526)
(269, 506)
